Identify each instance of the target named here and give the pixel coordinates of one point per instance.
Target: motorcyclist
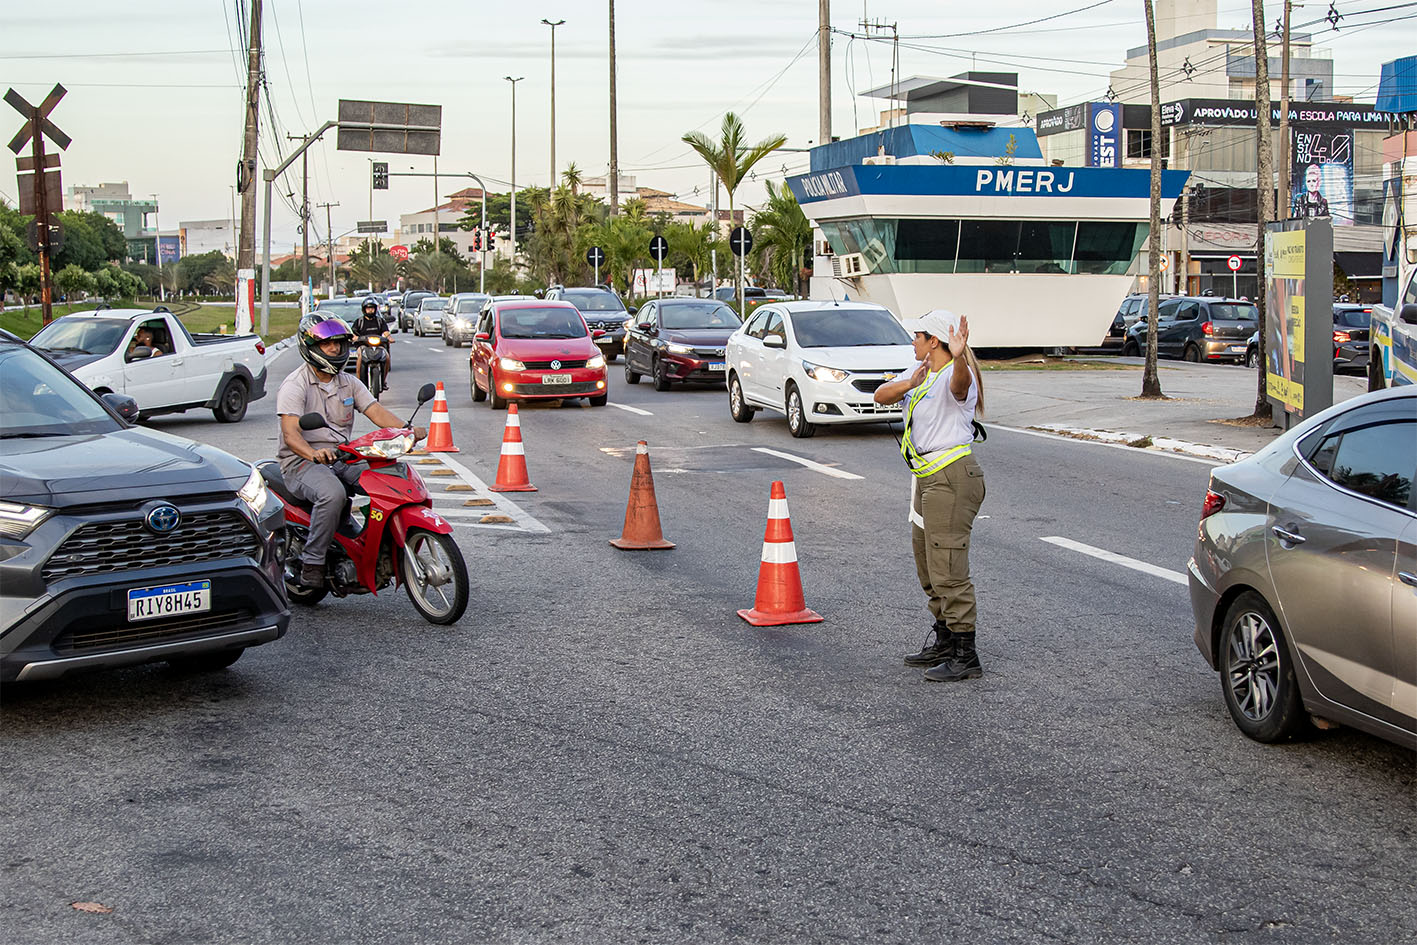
(308, 460)
(369, 323)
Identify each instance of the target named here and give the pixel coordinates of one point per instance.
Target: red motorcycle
(401, 541)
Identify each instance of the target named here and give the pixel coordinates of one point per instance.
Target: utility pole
(330, 246)
(824, 73)
(157, 251)
(553, 25)
(512, 242)
(614, 143)
(437, 237)
(717, 231)
(1264, 184)
(1184, 273)
(1150, 379)
(246, 171)
(1282, 204)
(305, 222)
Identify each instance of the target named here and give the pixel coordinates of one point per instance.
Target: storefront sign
(1104, 135)
(1219, 111)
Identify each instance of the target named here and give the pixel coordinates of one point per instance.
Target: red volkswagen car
(529, 349)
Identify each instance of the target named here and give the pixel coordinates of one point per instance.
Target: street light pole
(157, 250)
(553, 24)
(513, 237)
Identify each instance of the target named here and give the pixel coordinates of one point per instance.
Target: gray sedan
(1304, 579)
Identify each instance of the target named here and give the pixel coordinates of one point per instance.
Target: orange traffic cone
(779, 599)
(511, 468)
(642, 531)
(440, 430)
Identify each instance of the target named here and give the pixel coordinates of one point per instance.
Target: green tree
(90, 240)
(194, 273)
(72, 280)
(553, 251)
(27, 282)
(782, 240)
(145, 273)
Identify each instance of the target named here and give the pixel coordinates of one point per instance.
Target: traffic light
(381, 175)
(491, 239)
(477, 240)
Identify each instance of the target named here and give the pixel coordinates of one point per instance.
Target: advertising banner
(245, 300)
(1299, 318)
(1104, 134)
(1321, 179)
(170, 249)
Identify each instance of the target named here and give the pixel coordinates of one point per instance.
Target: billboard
(1298, 318)
(1321, 178)
(1104, 134)
(170, 249)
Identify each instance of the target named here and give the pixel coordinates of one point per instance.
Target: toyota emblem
(555, 365)
(162, 519)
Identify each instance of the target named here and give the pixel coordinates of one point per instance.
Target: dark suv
(121, 545)
(602, 310)
(1198, 328)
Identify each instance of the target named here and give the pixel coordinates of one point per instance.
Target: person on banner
(942, 396)
(308, 460)
(1310, 202)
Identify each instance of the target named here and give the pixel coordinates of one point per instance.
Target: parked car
(1135, 307)
(1351, 329)
(179, 371)
(530, 349)
(1197, 328)
(753, 296)
(1252, 351)
(429, 316)
(121, 545)
(409, 309)
(679, 340)
(1304, 577)
(816, 362)
(1116, 336)
(460, 317)
(603, 310)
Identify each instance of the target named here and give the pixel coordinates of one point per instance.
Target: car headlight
(818, 373)
(254, 493)
(511, 364)
(679, 349)
(17, 521)
(596, 362)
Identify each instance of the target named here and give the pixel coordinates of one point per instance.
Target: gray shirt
(336, 400)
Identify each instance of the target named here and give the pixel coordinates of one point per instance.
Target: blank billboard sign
(389, 127)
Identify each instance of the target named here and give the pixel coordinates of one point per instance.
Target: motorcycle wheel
(376, 381)
(435, 576)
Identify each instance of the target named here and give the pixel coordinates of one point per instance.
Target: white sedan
(428, 320)
(816, 362)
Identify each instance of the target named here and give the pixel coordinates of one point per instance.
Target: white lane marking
(817, 467)
(642, 413)
(438, 350)
(1212, 463)
(1113, 558)
(508, 507)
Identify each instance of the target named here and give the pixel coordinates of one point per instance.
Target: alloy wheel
(1253, 670)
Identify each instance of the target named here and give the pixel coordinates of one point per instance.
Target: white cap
(937, 323)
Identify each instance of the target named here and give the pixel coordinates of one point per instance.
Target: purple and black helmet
(314, 332)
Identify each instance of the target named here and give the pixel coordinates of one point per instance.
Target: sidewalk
(1103, 404)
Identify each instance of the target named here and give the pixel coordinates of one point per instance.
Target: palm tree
(730, 158)
(784, 237)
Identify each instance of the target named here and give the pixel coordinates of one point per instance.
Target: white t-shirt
(939, 421)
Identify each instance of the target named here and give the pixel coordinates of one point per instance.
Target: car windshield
(88, 335)
(687, 315)
(1234, 311)
(847, 327)
(593, 300)
(541, 323)
(431, 303)
(1352, 317)
(38, 399)
(470, 305)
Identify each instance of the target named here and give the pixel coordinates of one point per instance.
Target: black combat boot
(933, 654)
(312, 575)
(963, 665)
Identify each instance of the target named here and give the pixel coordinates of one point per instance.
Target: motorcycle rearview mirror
(426, 393)
(312, 421)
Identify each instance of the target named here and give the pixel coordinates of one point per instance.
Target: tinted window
(844, 327)
(1167, 309)
(541, 323)
(38, 399)
(1108, 248)
(89, 335)
(1351, 317)
(987, 245)
(1378, 461)
(592, 300)
(697, 315)
(1234, 311)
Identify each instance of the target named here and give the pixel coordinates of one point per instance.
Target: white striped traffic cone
(440, 430)
(779, 599)
(511, 468)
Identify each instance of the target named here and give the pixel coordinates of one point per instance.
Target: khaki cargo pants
(947, 501)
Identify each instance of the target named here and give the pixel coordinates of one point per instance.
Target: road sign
(391, 127)
(40, 192)
(56, 235)
(1234, 262)
(53, 192)
(381, 175)
(659, 248)
(372, 226)
(1165, 263)
(595, 256)
(740, 241)
(37, 119)
(398, 252)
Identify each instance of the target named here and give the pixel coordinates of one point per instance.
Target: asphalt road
(602, 751)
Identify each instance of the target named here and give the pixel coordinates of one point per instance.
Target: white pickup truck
(175, 371)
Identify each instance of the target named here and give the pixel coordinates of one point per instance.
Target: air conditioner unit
(849, 266)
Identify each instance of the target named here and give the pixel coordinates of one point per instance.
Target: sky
(155, 89)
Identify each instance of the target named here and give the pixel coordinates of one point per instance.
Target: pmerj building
(960, 210)
(1330, 165)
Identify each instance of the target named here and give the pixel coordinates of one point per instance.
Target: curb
(1145, 441)
(276, 350)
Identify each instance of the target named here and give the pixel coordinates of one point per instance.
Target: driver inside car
(143, 337)
(308, 459)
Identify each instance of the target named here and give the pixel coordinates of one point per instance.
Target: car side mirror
(645, 326)
(774, 341)
(598, 333)
(123, 405)
(1408, 313)
(482, 336)
(140, 352)
(426, 393)
(632, 309)
(313, 421)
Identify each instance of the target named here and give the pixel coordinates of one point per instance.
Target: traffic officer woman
(947, 485)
